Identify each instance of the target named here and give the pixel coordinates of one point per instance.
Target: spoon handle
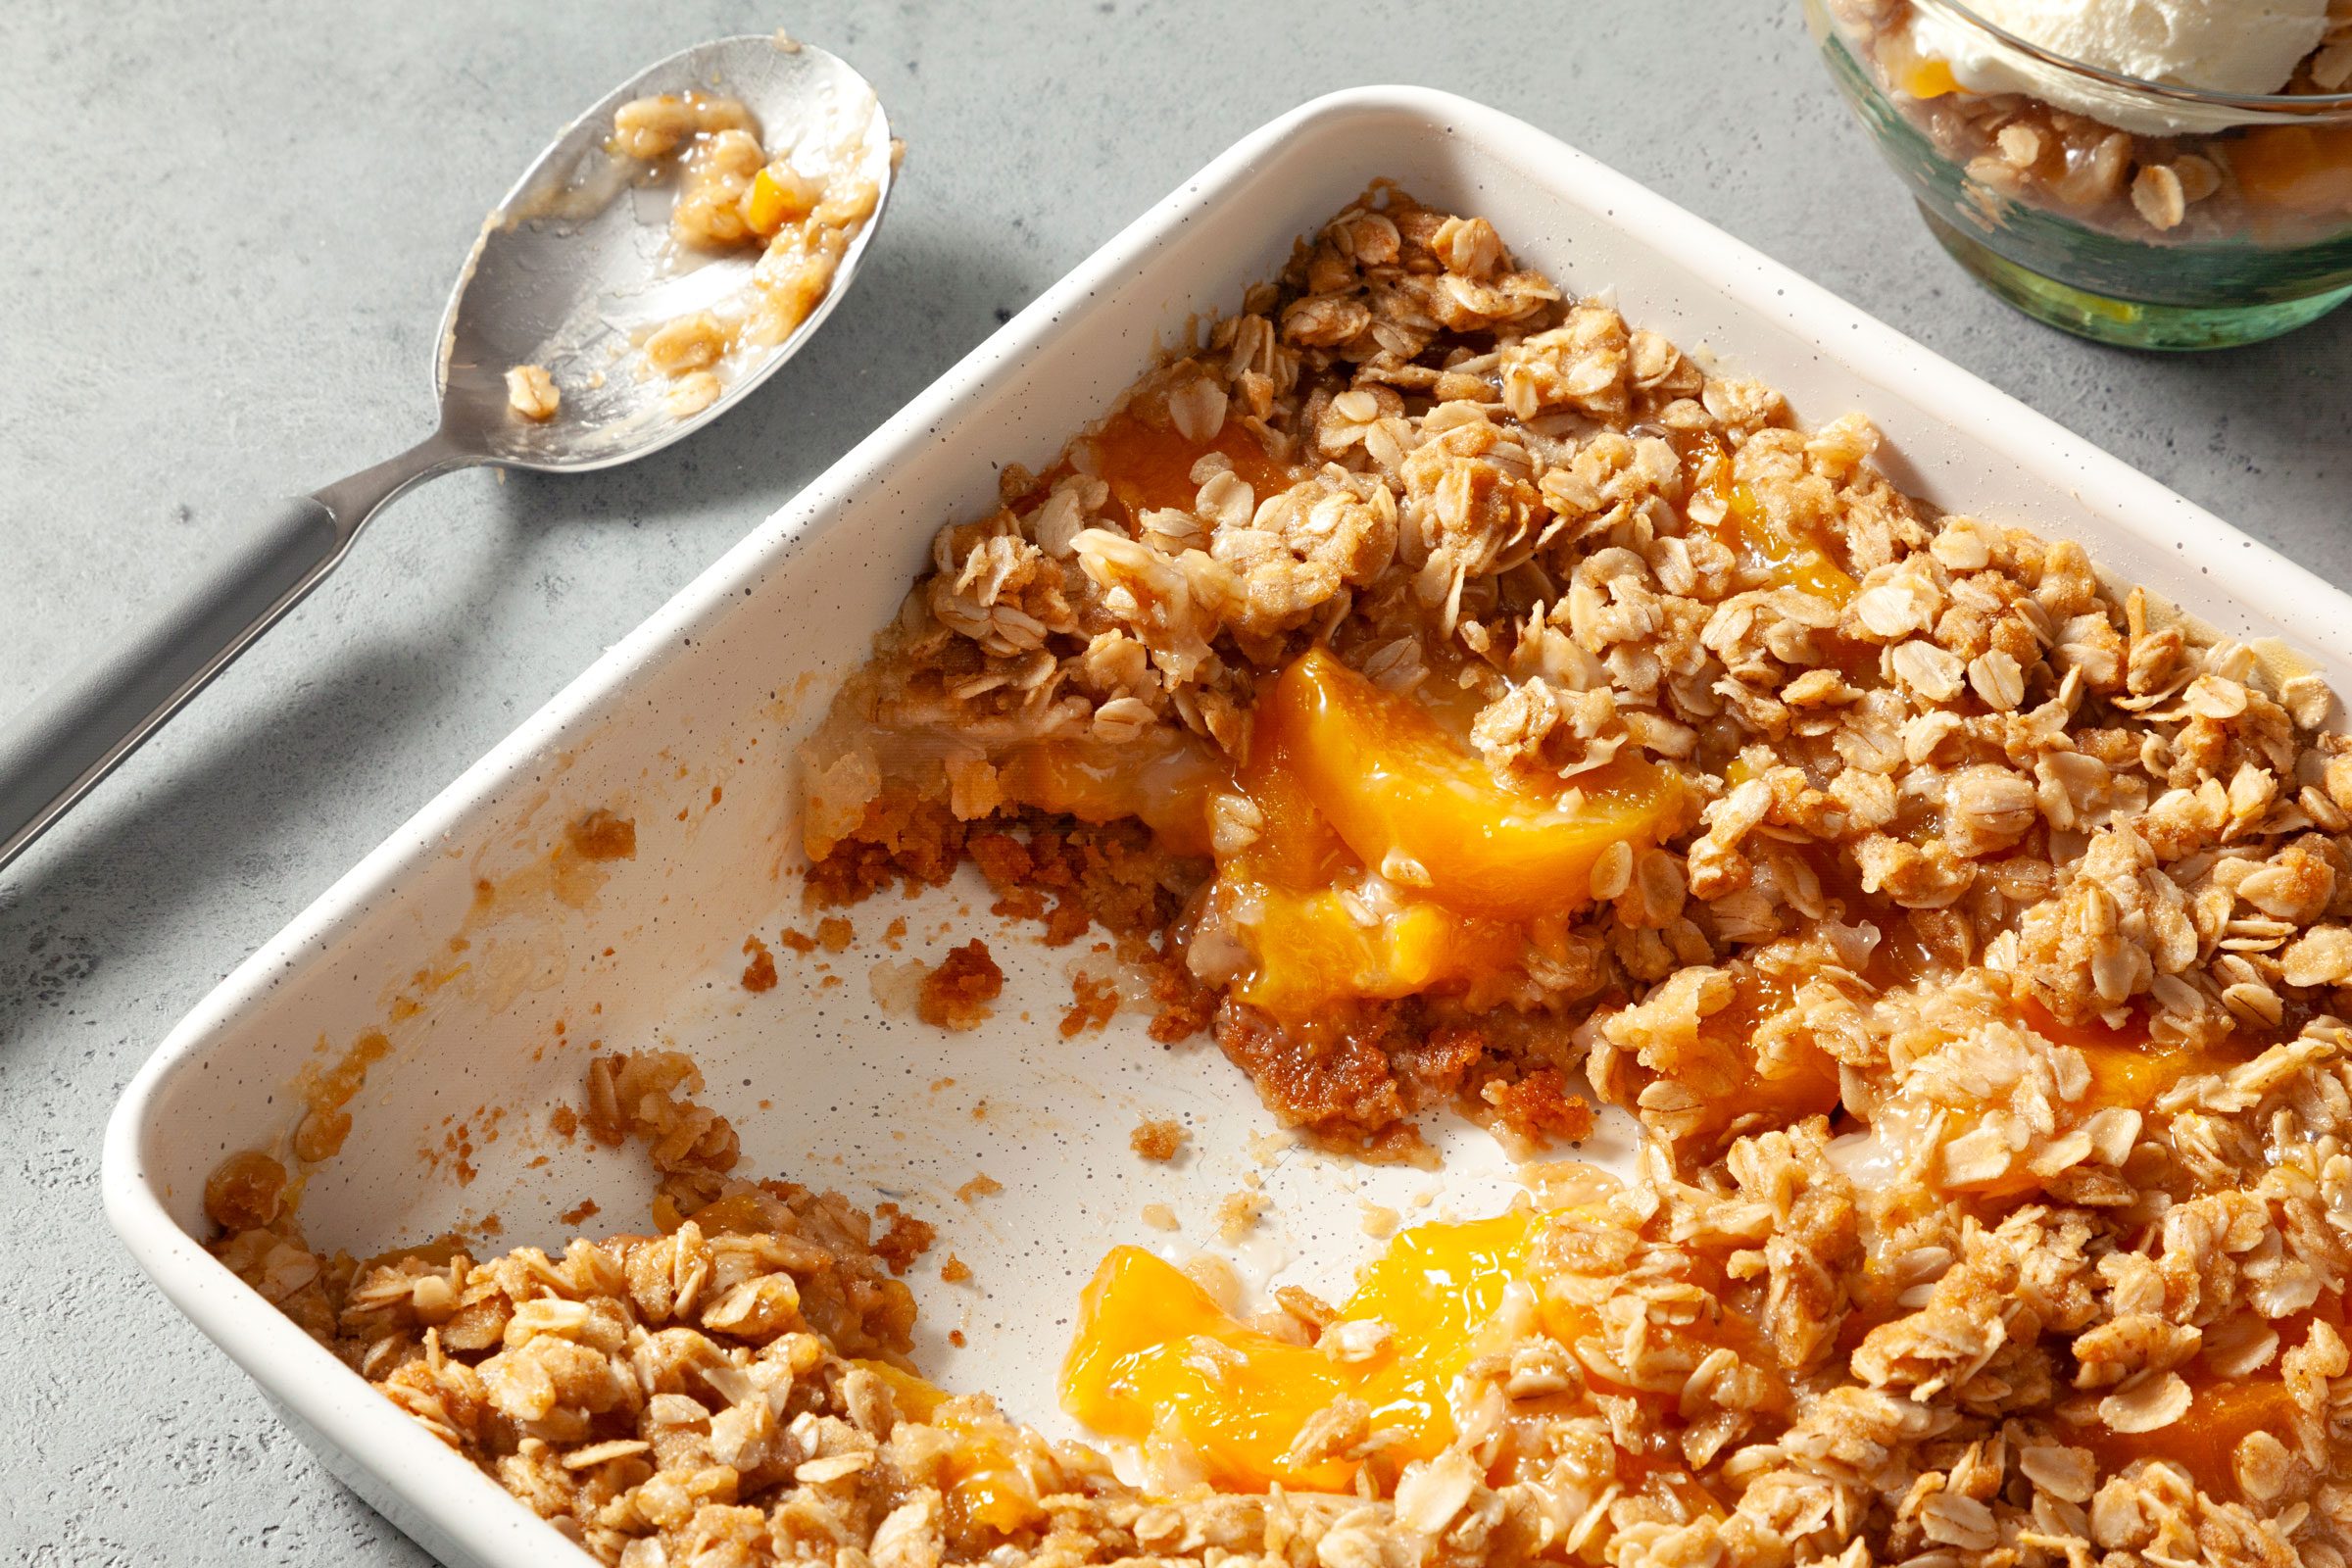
(73, 734)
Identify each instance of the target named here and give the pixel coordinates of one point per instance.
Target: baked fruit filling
(1445, 694)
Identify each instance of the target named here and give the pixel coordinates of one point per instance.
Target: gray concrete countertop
(228, 233)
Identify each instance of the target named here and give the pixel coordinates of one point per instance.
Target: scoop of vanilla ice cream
(2233, 46)
(2240, 46)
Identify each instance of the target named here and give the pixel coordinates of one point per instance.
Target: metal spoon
(569, 268)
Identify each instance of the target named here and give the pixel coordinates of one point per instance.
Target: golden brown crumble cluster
(1159, 1139)
(957, 992)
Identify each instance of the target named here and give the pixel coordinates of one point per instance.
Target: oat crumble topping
(1897, 867)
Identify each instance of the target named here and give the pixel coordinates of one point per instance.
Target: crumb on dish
(602, 834)
(982, 1184)
(903, 1238)
(531, 392)
(1157, 1138)
(1093, 1003)
(957, 992)
(1239, 1213)
(759, 971)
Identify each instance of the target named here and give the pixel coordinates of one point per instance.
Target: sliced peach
(1798, 1082)
(1151, 1346)
(737, 1214)
(1910, 71)
(986, 1486)
(2131, 1077)
(1149, 466)
(1799, 560)
(1415, 804)
(918, 1397)
(1153, 1352)
(2127, 1068)
(1296, 848)
(2204, 1442)
(1565, 1309)
(1930, 79)
(1809, 1088)
(1735, 1083)
(772, 201)
(2127, 1071)
(1164, 778)
(1313, 953)
(2300, 169)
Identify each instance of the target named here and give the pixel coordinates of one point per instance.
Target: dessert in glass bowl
(2158, 173)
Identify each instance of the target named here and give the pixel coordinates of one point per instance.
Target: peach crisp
(1447, 694)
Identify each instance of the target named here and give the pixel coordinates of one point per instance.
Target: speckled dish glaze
(687, 727)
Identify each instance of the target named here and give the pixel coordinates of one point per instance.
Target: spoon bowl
(571, 272)
(576, 265)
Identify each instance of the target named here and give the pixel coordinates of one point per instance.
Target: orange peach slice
(2204, 1442)
(1799, 558)
(2129, 1069)
(1149, 467)
(1154, 1354)
(1163, 778)
(1313, 953)
(1800, 1081)
(2301, 169)
(1415, 804)
(986, 1485)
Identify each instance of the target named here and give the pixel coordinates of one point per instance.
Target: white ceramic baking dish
(687, 726)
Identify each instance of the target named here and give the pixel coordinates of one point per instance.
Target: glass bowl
(2129, 212)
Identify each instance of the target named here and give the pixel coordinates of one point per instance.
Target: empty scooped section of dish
(1016, 1140)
